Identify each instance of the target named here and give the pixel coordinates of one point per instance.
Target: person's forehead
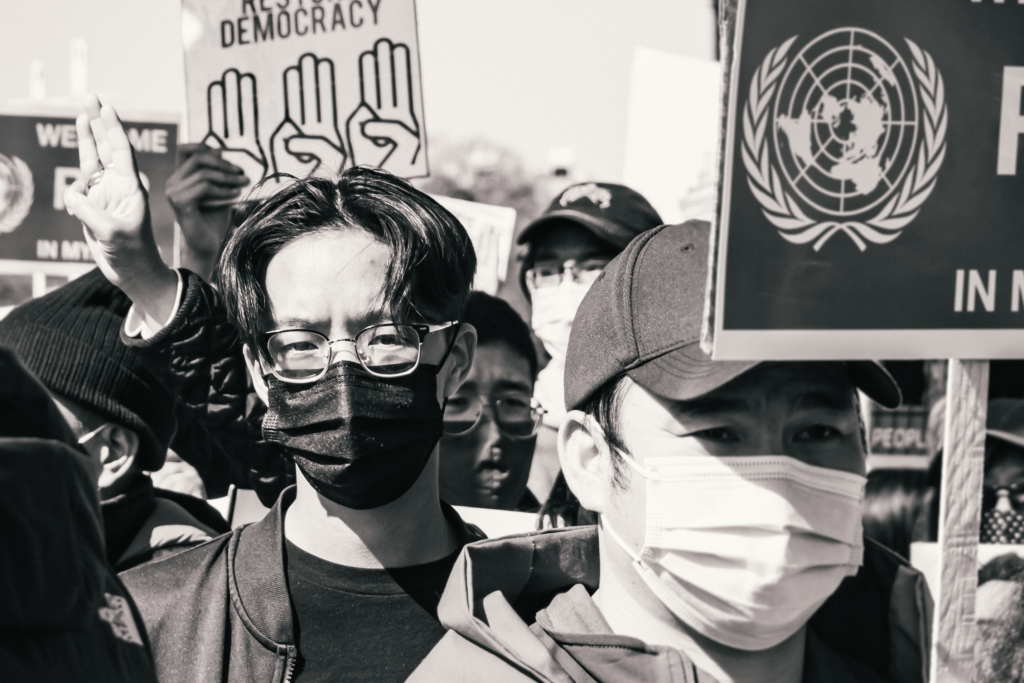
(1009, 468)
(327, 280)
(497, 366)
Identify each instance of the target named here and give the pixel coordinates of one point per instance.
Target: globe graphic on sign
(846, 122)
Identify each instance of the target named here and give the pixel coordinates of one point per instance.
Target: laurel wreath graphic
(12, 217)
(785, 213)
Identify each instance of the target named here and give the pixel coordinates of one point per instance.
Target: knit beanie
(70, 339)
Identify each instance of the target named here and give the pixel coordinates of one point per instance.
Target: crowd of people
(698, 520)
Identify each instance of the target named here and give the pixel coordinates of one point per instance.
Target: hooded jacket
(226, 604)
(519, 609)
(64, 615)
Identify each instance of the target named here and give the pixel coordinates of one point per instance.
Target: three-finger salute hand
(113, 206)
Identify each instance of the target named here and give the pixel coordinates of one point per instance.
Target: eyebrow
(512, 384)
(362, 322)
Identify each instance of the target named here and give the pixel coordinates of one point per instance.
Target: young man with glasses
(568, 246)
(491, 422)
(346, 296)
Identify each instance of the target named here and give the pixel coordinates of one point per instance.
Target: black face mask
(362, 441)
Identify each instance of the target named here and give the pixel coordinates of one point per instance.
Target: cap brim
(1015, 439)
(687, 373)
(605, 230)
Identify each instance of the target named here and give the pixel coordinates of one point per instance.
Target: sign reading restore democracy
(872, 195)
(306, 86)
(39, 160)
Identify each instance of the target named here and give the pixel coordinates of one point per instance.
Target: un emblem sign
(844, 136)
(16, 192)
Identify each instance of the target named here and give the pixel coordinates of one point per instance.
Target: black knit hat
(70, 339)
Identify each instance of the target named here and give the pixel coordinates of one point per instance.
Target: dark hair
(604, 406)
(432, 259)
(893, 499)
(496, 321)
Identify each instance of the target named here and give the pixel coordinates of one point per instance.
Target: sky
(530, 75)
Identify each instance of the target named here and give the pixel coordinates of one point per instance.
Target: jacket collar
(551, 574)
(257, 576)
(125, 513)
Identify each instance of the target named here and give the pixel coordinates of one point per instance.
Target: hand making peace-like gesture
(113, 206)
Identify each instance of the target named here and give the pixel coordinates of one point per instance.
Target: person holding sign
(729, 546)
(347, 297)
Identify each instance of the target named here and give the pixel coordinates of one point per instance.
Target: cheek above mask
(746, 549)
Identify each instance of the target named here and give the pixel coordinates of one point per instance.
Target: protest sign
(38, 161)
(490, 228)
(306, 87)
(872, 177)
(672, 133)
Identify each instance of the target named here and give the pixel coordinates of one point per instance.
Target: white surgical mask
(746, 549)
(553, 311)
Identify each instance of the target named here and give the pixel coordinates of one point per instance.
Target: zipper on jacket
(289, 668)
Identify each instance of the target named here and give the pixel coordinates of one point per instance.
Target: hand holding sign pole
(307, 141)
(383, 130)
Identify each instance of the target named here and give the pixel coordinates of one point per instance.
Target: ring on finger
(94, 179)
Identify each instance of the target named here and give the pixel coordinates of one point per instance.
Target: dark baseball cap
(614, 213)
(643, 317)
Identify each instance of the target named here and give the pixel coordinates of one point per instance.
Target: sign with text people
(306, 86)
(39, 160)
(872, 195)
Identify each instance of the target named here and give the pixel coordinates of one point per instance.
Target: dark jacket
(221, 611)
(519, 609)
(146, 523)
(64, 615)
(199, 355)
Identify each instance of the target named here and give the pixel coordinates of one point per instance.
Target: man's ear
(255, 368)
(122, 445)
(586, 460)
(460, 361)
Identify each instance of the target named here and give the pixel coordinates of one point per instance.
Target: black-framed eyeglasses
(384, 350)
(516, 415)
(1015, 493)
(551, 273)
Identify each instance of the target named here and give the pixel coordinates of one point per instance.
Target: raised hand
(234, 126)
(114, 210)
(307, 142)
(383, 130)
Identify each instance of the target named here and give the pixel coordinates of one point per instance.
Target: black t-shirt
(353, 624)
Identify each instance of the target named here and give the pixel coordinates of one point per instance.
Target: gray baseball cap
(643, 318)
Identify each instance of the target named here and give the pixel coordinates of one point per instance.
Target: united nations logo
(16, 192)
(845, 136)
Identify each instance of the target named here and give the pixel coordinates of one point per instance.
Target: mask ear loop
(451, 345)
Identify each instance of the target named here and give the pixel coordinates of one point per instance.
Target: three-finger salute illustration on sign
(307, 141)
(234, 124)
(305, 91)
(383, 130)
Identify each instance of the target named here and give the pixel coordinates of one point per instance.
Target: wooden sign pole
(963, 469)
